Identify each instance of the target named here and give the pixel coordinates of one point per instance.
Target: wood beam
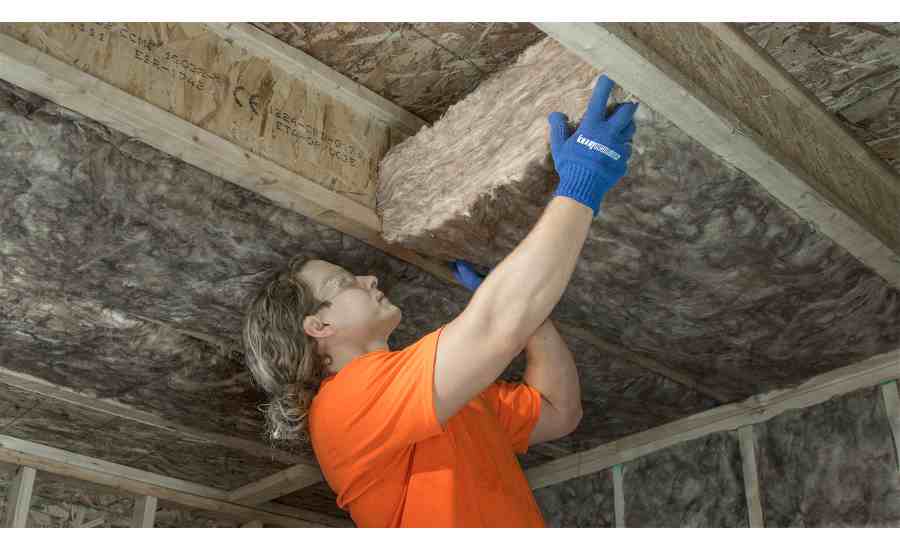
(61, 82)
(889, 394)
(18, 501)
(108, 406)
(144, 514)
(751, 476)
(758, 408)
(139, 482)
(276, 485)
(295, 61)
(726, 93)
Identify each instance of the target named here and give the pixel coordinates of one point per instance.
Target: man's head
(353, 313)
(303, 316)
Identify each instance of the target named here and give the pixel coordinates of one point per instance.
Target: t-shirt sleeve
(518, 408)
(382, 403)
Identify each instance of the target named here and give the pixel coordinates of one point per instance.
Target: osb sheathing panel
(831, 465)
(853, 68)
(694, 484)
(103, 231)
(852, 185)
(423, 67)
(100, 435)
(585, 501)
(193, 73)
(689, 261)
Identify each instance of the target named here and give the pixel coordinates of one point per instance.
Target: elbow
(572, 420)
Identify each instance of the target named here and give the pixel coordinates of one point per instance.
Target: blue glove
(595, 157)
(466, 275)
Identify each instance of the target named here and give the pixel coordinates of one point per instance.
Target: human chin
(393, 316)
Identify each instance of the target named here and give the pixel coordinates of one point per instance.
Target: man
(424, 436)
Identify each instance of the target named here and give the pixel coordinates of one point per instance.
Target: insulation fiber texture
(831, 465)
(124, 271)
(698, 483)
(580, 502)
(689, 261)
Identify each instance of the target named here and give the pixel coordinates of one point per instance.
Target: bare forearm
(551, 369)
(523, 289)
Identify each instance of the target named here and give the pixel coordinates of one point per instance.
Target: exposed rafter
(275, 485)
(726, 93)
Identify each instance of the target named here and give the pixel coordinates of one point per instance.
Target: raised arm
(519, 294)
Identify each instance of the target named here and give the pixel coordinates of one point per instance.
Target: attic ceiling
(125, 269)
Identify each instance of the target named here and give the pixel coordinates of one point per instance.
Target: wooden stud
(891, 399)
(758, 408)
(144, 512)
(18, 502)
(65, 463)
(751, 477)
(619, 494)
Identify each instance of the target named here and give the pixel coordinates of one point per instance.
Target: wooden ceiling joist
(759, 408)
(139, 482)
(296, 62)
(720, 88)
(232, 132)
(276, 485)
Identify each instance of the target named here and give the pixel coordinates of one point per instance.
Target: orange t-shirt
(382, 450)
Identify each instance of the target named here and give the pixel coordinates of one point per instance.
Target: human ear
(316, 328)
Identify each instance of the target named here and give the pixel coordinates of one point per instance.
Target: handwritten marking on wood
(193, 73)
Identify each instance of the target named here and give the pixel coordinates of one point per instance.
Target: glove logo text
(593, 145)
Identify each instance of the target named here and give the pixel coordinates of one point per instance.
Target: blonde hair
(281, 357)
